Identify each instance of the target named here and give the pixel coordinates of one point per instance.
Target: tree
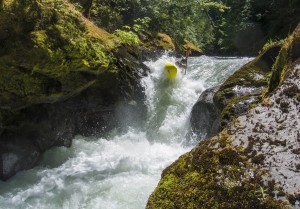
(87, 8)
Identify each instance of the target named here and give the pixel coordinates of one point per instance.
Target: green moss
(129, 38)
(288, 53)
(271, 43)
(165, 41)
(229, 111)
(278, 68)
(244, 77)
(52, 52)
(211, 178)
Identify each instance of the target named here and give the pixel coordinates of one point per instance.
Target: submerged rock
(60, 76)
(205, 116)
(254, 161)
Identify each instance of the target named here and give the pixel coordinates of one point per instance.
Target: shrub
(127, 36)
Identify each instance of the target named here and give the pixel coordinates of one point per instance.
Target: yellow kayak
(170, 70)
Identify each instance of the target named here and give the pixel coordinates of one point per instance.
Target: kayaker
(187, 54)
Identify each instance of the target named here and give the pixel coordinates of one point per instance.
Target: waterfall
(121, 170)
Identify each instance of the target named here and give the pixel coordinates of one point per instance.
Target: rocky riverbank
(254, 161)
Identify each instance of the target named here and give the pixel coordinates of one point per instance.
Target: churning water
(121, 171)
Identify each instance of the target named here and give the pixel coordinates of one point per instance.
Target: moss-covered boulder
(254, 161)
(245, 86)
(165, 42)
(289, 53)
(215, 174)
(216, 107)
(60, 76)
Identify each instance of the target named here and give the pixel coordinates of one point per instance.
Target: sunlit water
(121, 171)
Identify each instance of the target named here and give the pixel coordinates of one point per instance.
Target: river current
(121, 170)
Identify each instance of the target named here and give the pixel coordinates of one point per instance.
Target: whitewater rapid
(121, 170)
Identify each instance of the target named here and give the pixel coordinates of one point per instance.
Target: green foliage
(223, 26)
(208, 4)
(270, 43)
(261, 194)
(177, 18)
(127, 36)
(141, 25)
(248, 24)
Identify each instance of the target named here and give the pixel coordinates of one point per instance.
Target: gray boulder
(205, 116)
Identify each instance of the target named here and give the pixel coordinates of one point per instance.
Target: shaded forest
(219, 27)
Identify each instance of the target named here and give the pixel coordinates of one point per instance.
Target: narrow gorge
(88, 119)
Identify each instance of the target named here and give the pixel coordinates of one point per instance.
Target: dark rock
(205, 116)
(295, 46)
(17, 154)
(94, 111)
(54, 86)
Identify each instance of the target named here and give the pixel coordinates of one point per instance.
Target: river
(121, 170)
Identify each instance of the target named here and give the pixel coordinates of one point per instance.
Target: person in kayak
(187, 54)
(183, 62)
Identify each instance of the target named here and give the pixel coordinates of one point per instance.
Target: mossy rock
(51, 52)
(213, 175)
(165, 41)
(289, 52)
(245, 86)
(58, 47)
(60, 76)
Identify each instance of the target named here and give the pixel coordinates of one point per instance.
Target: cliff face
(254, 161)
(60, 75)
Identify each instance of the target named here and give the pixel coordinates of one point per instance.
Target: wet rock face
(245, 86)
(23, 156)
(216, 107)
(60, 78)
(270, 134)
(37, 128)
(205, 116)
(26, 134)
